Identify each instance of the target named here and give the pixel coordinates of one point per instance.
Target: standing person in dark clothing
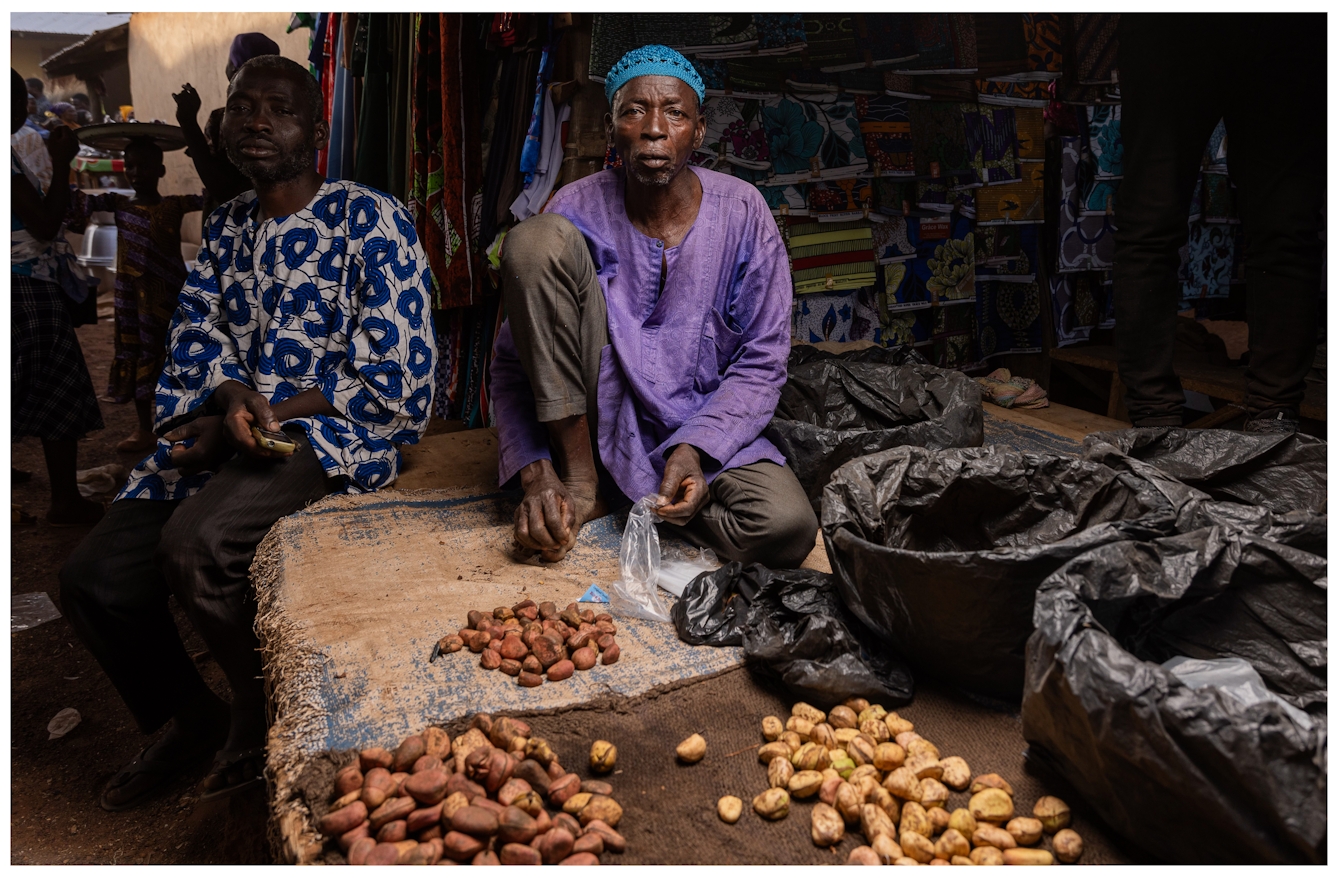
(52, 394)
(222, 181)
(1180, 74)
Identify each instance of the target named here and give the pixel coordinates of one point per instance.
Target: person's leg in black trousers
(1172, 91)
(115, 588)
(1277, 159)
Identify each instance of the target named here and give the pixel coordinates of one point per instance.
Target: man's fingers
(556, 517)
(523, 528)
(260, 410)
(185, 431)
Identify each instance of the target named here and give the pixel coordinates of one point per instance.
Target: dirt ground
(55, 784)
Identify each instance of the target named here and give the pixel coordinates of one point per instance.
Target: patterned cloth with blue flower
(335, 296)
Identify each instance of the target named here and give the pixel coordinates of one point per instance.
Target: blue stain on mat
(1026, 439)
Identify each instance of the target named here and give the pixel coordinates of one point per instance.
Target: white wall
(168, 49)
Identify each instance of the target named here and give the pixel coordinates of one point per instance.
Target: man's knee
(184, 550)
(541, 243)
(789, 534)
(83, 576)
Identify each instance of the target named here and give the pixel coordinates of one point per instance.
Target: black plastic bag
(833, 410)
(893, 356)
(1192, 775)
(1280, 472)
(793, 628)
(942, 551)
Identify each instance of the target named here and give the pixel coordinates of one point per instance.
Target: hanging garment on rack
(343, 120)
(327, 27)
(813, 139)
(1086, 242)
(885, 123)
(531, 149)
(532, 199)
(450, 326)
(446, 156)
(1008, 317)
(1215, 153)
(372, 166)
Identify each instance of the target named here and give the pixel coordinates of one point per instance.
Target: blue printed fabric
(840, 317)
(1215, 154)
(1086, 241)
(817, 139)
(905, 292)
(335, 297)
(1006, 253)
(1206, 262)
(911, 327)
(1076, 300)
(1103, 136)
(944, 267)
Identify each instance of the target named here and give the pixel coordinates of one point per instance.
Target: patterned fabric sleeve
(84, 204)
(383, 384)
(201, 352)
(189, 203)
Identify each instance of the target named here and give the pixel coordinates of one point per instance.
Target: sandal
(232, 772)
(147, 778)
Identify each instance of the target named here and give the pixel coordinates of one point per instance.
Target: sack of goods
(1180, 685)
(835, 408)
(941, 552)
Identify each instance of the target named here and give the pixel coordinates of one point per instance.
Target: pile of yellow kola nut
(870, 769)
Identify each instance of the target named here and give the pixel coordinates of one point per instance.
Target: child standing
(149, 276)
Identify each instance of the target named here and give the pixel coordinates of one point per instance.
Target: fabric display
(891, 239)
(1009, 317)
(884, 38)
(830, 257)
(945, 261)
(908, 327)
(938, 137)
(954, 335)
(1001, 44)
(734, 135)
(852, 316)
(885, 123)
(1086, 241)
(1029, 125)
(904, 85)
(991, 143)
(1075, 300)
(813, 139)
(1206, 261)
(1214, 155)
(789, 200)
(835, 200)
(945, 42)
(1019, 202)
(1090, 59)
(830, 40)
(552, 137)
(1006, 253)
(1217, 200)
(894, 196)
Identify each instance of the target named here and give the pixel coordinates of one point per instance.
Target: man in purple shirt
(649, 324)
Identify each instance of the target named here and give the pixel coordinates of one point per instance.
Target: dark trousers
(114, 587)
(1179, 74)
(559, 320)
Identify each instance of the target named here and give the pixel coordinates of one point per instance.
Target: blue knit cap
(653, 61)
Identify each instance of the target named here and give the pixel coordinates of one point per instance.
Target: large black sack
(942, 551)
(899, 355)
(1280, 472)
(1192, 775)
(793, 628)
(835, 409)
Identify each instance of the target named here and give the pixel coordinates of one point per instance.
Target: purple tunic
(701, 364)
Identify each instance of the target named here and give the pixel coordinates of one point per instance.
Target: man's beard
(290, 167)
(660, 177)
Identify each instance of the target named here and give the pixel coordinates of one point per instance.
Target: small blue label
(594, 595)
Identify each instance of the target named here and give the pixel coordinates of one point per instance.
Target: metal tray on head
(116, 135)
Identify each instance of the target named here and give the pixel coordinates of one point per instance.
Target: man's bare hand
(546, 519)
(210, 450)
(684, 485)
(246, 409)
(188, 104)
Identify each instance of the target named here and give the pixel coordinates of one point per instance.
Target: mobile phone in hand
(274, 440)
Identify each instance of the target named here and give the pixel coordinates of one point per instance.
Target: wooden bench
(1226, 383)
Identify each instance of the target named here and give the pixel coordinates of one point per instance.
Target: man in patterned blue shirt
(307, 312)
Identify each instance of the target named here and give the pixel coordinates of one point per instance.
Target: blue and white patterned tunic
(334, 297)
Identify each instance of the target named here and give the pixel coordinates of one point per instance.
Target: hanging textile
(1091, 56)
(885, 123)
(1076, 302)
(1008, 316)
(891, 240)
(884, 38)
(945, 42)
(734, 135)
(446, 156)
(372, 166)
(1006, 253)
(813, 139)
(1019, 202)
(991, 143)
(839, 200)
(328, 29)
(529, 153)
(343, 121)
(954, 335)
(553, 137)
(1001, 44)
(830, 257)
(1086, 241)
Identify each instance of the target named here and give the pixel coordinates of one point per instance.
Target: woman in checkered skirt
(53, 396)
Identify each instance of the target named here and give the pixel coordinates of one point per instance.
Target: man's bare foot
(140, 440)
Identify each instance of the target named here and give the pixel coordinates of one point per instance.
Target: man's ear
(608, 128)
(162, 171)
(322, 134)
(700, 135)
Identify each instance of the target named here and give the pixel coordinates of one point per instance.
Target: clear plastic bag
(678, 568)
(634, 595)
(30, 610)
(1234, 677)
